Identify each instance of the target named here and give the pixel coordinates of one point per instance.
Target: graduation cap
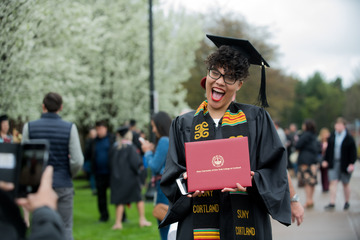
(123, 130)
(253, 56)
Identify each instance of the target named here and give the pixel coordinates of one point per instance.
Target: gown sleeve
(180, 205)
(268, 161)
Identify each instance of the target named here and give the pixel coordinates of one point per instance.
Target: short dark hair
(231, 60)
(132, 122)
(101, 123)
(3, 118)
(52, 101)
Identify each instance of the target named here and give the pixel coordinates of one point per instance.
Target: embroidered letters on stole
(206, 209)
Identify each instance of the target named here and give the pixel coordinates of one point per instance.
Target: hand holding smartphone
(182, 184)
(23, 164)
(34, 159)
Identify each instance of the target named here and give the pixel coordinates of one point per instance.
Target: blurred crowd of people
(312, 153)
(119, 161)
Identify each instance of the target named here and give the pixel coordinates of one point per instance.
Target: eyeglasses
(215, 74)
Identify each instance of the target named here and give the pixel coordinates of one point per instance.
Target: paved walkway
(320, 224)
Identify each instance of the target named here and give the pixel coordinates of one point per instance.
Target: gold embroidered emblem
(238, 136)
(201, 130)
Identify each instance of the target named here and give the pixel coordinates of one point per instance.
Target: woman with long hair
(155, 155)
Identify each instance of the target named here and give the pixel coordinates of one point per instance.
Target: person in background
(46, 222)
(324, 134)
(17, 136)
(65, 153)
(297, 210)
(292, 138)
(136, 136)
(136, 141)
(87, 165)
(309, 150)
(339, 158)
(280, 132)
(155, 156)
(5, 137)
(125, 180)
(98, 154)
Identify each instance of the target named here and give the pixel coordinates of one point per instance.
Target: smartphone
(34, 159)
(10, 155)
(182, 184)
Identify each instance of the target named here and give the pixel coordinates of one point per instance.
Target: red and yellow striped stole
(232, 119)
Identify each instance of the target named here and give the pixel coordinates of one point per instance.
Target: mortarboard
(253, 56)
(123, 130)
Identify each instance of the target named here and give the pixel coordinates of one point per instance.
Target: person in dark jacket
(309, 150)
(87, 164)
(46, 222)
(340, 157)
(98, 154)
(65, 153)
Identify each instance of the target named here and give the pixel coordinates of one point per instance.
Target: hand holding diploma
(238, 187)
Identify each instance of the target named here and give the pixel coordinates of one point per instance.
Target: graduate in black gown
(230, 213)
(125, 179)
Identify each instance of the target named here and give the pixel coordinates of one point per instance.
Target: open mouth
(217, 94)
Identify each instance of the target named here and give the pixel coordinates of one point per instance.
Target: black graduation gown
(269, 194)
(125, 185)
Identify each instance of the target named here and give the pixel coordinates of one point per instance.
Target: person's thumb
(47, 178)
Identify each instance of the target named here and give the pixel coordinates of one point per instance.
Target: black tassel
(262, 93)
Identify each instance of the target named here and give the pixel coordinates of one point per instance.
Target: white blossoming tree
(96, 55)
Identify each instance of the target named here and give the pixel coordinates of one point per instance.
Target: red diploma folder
(216, 164)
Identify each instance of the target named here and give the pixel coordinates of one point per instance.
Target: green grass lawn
(86, 226)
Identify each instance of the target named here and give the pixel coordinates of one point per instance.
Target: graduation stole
(206, 207)
(233, 123)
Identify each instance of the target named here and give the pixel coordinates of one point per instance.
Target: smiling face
(220, 94)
